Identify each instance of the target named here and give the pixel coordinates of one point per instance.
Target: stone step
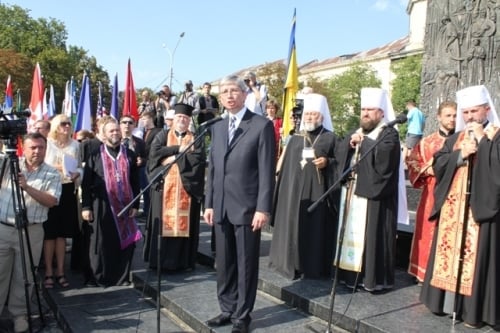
(191, 297)
(295, 306)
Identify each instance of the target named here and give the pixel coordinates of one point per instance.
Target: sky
(220, 36)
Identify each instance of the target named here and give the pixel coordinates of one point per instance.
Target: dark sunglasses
(65, 123)
(128, 122)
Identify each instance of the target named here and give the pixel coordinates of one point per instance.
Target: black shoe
(240, 327)
(220, 320)
(90, 283)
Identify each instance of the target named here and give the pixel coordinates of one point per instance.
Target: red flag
(36, 102)
(129, 101)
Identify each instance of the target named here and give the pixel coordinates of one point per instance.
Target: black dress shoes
(240, 327)
(220, 320)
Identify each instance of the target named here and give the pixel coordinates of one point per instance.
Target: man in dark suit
(240, 186)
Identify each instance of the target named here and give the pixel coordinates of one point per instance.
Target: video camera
(13, 124)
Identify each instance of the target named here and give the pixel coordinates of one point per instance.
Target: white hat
(377, 98)
(318, 103)
(474, 96)
(169, 115)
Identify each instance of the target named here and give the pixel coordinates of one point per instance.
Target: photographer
(147, 104)
(165, 101)
(41, 185)
(256, 94)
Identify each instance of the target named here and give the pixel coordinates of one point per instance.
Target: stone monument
(462, 48)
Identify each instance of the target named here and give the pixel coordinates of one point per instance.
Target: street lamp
(172, 54)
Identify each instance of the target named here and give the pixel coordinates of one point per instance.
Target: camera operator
(165, 101)
(256, 94)
(41, 185)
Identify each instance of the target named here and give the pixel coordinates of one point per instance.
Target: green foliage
(343, 95)
(24, 41)
(20, 68)
(273, 75)
(406, 85)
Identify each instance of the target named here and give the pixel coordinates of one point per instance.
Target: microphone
(400, 119)
(211, 121)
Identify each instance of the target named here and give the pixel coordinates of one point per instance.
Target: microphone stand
(157, 178)
(312, 207)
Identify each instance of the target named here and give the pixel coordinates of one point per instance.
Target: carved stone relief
(462, 48)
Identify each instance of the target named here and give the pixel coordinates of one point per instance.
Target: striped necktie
(232, 129)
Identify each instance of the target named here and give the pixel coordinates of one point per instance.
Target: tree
(21, 33)
(343, 95)
(406, 85)
(273, 75)
(317, 86)
(20, 68)
(24, 41)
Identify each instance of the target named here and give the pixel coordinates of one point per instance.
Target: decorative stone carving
(462, 48)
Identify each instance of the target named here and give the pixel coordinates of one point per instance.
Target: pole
(172, 54)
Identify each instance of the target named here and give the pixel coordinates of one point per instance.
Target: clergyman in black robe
(178, 252)
(375, 192)
(106, 190)
(478, 285)
(303, 242)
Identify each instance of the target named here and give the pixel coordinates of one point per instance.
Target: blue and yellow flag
(292, 81)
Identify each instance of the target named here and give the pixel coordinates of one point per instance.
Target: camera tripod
(21, 224)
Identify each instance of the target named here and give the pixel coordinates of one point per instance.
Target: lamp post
(172, 54)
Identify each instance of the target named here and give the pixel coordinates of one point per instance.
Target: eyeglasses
(231, 91)
(128, 122)
(38, 128)
(65, 123)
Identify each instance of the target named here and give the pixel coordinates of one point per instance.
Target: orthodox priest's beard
(367, 124)
(113, 141)
(309, 127)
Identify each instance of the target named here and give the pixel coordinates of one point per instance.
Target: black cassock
(484, 303)
(377, 181)
(177, 253)
(109, 265)
(303, 243)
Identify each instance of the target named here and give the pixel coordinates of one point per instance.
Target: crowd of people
(81, 186)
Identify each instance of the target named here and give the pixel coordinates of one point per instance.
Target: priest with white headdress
(371, 198)
(303, 242)
(463, 272)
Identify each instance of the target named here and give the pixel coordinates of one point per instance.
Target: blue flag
(84, 114)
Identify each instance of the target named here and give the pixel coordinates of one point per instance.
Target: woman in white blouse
(63, 153)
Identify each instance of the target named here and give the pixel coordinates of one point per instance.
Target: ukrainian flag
(292, 82)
